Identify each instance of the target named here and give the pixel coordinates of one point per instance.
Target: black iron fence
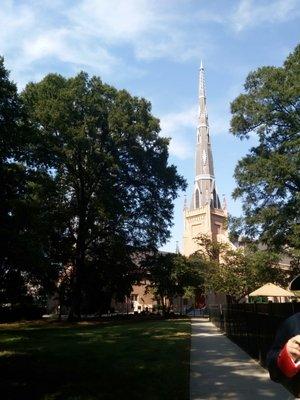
(252, 326)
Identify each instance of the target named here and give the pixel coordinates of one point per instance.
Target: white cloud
(180, 127)
(66, 47)
(15, 25)
(113, 20)
(174, 46)
(50, 43)
(245, 14)
(99, 35)
(15, 22)
(249, 13)
(219, 122)
(152, 28)
(89, 34)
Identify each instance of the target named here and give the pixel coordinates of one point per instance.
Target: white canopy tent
(271, 290)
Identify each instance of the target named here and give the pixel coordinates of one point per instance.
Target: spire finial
(201, 65)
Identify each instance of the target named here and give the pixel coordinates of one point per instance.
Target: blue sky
(153, 49)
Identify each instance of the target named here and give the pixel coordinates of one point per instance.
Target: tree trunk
(75, 309)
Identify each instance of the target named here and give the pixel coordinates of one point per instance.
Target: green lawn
(133, 360)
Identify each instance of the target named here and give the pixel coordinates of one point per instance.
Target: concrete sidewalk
(221, 370)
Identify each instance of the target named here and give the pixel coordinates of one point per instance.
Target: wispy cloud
(179, 126)
(250, 13)
(152, 28)
(246, 14)
(102, 35)
(114, 20)
(90, 34)
(65, 46)
(16, 23)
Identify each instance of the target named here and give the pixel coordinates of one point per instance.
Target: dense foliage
(86, 184)
(27, 262)
(173, 275)
(236, 272)
(268, 178)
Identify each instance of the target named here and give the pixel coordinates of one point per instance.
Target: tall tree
(268, 178)
(172, 275)
(109, 165)
(24, 234)
(236, 272)
(244, 270)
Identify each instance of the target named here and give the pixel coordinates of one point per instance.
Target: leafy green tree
(161, 268)
(110, 169)
(11, 177)
(210, 250)
(208, 258)
(268, 178)
(172, 275)
(236, 272)
(246, 269)
(24, 232)
(109, 273)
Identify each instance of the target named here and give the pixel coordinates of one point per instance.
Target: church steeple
(205, 214)
(204, 190)
(202, 97)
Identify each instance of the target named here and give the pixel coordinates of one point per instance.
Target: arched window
(197, 199)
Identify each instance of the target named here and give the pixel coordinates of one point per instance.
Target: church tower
(205, 215)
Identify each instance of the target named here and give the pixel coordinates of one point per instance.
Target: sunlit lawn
(133, 360)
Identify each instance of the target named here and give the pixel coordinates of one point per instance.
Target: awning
(269, 289)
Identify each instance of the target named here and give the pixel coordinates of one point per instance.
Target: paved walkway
(220, 370)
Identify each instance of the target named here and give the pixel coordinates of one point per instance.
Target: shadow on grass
(147, 360)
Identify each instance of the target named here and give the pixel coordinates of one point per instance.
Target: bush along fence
(252, 326)
(21, 312)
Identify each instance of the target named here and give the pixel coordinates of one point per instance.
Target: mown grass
(142, 360)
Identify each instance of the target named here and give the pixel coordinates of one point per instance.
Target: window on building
(133, 297)
(197, 199)
(218, 228)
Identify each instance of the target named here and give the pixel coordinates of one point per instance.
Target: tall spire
(202, 114)
(204, 191)
(205, 214)
(201, 81)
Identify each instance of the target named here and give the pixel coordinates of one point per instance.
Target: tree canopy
(25, 215)
(96, 179)
(171, 275)
(268, 178)
(236, 272)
